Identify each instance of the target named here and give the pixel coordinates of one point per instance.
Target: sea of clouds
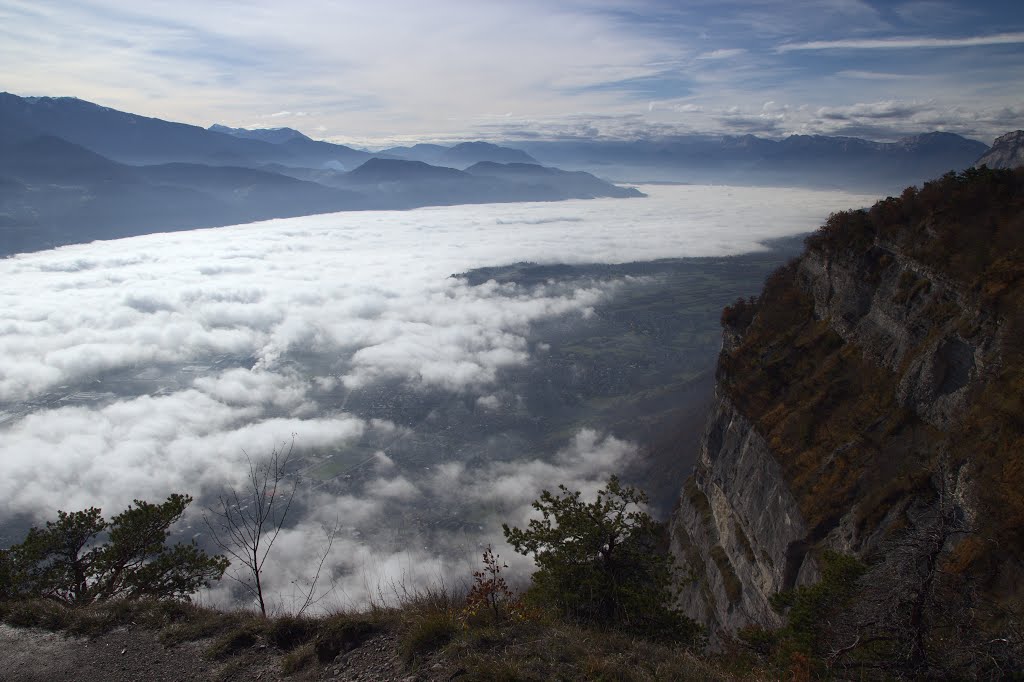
(372, 297)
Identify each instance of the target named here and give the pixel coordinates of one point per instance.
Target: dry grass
(533, 651)
(425, 623)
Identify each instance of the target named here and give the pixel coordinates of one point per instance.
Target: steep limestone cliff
(888, 305)
(873, 388)
(737, 526)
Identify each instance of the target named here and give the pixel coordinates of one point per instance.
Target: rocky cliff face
(852, 400)
(737, 527)
(1006, 152)
(884, 303)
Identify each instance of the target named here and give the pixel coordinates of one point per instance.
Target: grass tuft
(427, 634)
(339, 634)
(39, 613)
(289, 632)
(299, 659)
(237, 639)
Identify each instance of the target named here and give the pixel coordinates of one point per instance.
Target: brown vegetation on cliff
(885, 369)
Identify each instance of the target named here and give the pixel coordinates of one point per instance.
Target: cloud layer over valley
(139, 367)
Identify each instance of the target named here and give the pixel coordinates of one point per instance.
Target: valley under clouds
(157, 364)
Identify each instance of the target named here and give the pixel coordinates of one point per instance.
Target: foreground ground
(127, 655)
(423, 642)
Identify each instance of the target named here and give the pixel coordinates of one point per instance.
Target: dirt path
(37, 656)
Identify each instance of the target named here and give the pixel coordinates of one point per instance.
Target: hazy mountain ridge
(125, 137)
(62, 193)
(800, 160)
(74, 171)
(271, 135)
(97, 185)
(460, 156)
(469, 153)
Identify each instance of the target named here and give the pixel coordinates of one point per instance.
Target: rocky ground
(131, 655)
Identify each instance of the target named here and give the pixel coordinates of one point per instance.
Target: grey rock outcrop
(909, 319)
(1006, 152)
(737, 528)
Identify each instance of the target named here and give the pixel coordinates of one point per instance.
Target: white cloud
(349, 284)
(147, 447)
(489, 402)
(249, 329)
(872, 75)
(398, 487)
(722, 54)
(365, 569)
(447, 71)
(904, 43)
(241, 386)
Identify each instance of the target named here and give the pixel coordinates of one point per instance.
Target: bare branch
(248, 522)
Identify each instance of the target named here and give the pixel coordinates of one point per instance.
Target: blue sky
(394, 72)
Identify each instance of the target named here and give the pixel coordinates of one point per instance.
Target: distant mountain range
(798, 160)
(73, 171)
(461, 155)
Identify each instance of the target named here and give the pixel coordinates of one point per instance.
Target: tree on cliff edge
(602, 562)
(82, 558)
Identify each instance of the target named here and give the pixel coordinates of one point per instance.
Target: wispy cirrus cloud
(374, 74)
(872, 75)
(722, 53)
(904, 43)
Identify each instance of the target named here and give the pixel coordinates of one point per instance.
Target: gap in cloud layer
(426, 408)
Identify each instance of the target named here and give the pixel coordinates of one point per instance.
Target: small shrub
(812, 605)
(490, 599)
(758, 639)
(740, 314)
(428, 634)
(797, 650)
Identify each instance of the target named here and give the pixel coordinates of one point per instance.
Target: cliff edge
(869, 403)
